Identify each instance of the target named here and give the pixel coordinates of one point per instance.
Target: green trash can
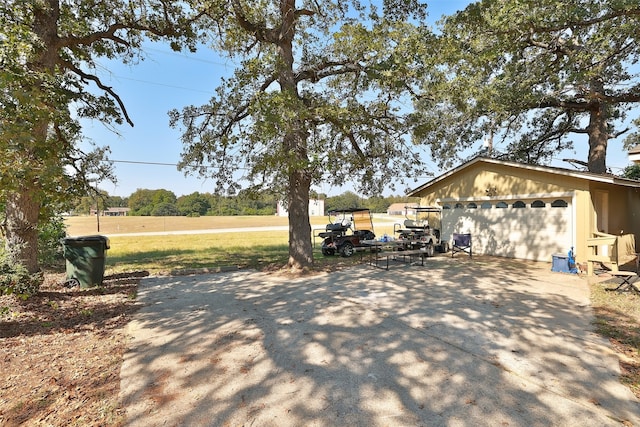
(85, 257)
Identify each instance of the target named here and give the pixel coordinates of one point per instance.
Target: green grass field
(84, 225)
(180, 252)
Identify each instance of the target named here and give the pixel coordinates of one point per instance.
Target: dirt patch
(61, 352)
(623, 332)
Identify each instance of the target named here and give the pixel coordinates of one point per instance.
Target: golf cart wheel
(70, 283)
(328, 252)
(429, 250)
(347, 250)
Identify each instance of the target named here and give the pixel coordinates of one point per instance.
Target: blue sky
(166, 80)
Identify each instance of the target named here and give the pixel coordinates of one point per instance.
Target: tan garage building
(532, 212)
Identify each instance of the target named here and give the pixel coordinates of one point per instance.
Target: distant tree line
(375, 204)
(145, 202)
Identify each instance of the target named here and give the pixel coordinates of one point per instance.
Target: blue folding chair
(461, 243)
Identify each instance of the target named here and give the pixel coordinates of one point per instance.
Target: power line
(143, 163)
(191, 58)
(163, 84)
(136, 162)
(139, 162)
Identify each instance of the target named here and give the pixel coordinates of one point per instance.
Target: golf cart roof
(361, 217)
(424, 208)
(348, 210)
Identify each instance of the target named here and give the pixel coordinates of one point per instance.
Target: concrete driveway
(459, 342)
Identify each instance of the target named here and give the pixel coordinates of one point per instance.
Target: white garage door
(525, 229)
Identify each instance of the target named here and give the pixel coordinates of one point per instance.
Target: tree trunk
(23, 203)
(598, 139)
(22, 209)
(300, 248)
(295, 144)
(22, 212)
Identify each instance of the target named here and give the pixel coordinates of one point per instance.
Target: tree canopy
(529, 74)
(315, 98)
(632, 172)
(47, 82)
(194, 204)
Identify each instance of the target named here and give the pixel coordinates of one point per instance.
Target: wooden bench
(610, 251)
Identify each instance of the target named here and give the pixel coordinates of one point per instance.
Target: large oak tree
(315, 98)
(48, 81)
(532, 73)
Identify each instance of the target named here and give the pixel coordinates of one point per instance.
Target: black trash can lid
(96, 238)
(88, 239)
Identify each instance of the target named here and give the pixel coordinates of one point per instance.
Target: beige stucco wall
(633, 197)
(584, 223)
(492, 181)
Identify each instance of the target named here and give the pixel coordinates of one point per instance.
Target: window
(501, 205)
(486, 205)
(459, 206)
(559, 204)
(537, 204)
(446, 207)
(472, 206)
(519, 204)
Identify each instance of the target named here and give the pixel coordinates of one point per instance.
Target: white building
(111, 212)
(407, 209)
(316, 208)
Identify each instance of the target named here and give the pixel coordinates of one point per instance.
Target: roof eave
(575, 174)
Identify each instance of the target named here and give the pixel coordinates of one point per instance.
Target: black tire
(328, 252)
(347, 249)
(444, 247)
(429, 250)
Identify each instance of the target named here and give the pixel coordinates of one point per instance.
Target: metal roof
(349, 210)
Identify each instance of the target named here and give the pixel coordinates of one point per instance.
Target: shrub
(50, 235)
(15, 279)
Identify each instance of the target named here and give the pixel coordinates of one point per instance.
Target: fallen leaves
(62, 350)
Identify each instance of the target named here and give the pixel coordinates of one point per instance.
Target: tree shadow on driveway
(458, 342)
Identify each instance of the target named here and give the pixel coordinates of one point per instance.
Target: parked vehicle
(347, 231)
(418, 233)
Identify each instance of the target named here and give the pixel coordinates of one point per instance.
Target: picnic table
(394, 250)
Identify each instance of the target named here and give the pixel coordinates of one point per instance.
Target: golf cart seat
(364, 234)
(409, 223)
(339, 226)
(461, 243)
(336, 229)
